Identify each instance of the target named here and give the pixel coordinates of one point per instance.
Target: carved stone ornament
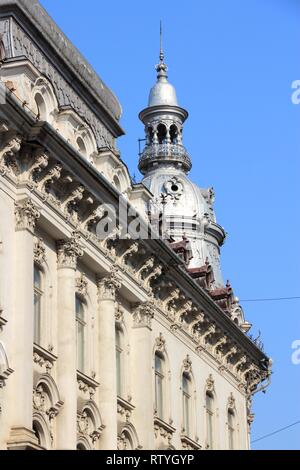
(39, 252)
(26, 214)
(82, 285)
(68, 251)
(109, 285)
(231, 402)
(8, 155)
(210, 384)
(160, 343)
(119, 314)
(187, 364)
(143, 314)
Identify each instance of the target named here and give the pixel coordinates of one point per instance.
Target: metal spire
(161, 54)
(161, 67)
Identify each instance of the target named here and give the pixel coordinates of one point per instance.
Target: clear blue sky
(232, 63)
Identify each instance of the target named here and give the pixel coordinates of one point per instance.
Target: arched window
(120, 360)
(80, 446)
(81, 146)
(41, 106)
(80, 333)
(117, 183)
(174, 134)
(209, 419)
(38, 301)
(231, 428)
(159, 384)
(186, 403)
(162, 133)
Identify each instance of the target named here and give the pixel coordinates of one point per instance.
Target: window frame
(209, 398)
(38, 293)
(80, 323)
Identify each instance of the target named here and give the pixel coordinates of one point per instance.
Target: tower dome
(162, 93)
(185, 208)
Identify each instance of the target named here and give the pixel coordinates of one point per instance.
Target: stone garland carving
(87, 429)
(66, 96)
(42, 361)
(26, 214)
(124, 412)
(68, 251)
(160, 431)
(42, 403)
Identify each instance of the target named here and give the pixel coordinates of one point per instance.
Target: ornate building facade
(115, 342)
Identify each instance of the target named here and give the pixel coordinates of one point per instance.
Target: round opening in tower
(174, 188)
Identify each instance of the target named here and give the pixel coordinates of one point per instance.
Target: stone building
(117, 341)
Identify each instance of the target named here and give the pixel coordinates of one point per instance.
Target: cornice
(66, 58)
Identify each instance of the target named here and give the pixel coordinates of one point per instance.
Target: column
(107, 288)
(142, 374)
(22, 436)
(68, 252)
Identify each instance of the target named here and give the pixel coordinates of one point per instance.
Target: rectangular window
(159, 384)
(80, 327)
(186, 400)
(38, 294)
(209, 420)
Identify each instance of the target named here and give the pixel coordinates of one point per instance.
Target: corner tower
(187, 209)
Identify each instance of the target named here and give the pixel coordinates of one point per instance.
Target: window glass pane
(37, 277)
(118, 364)
(158, 363)
(186, 413)
(209, 430)
(185, 384)
(209, 420)
(37, 317)
(80, 346)
(231, 429)
(79, 308)
(159, 395)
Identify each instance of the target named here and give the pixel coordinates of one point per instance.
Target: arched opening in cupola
(174, 134)
(162, 134)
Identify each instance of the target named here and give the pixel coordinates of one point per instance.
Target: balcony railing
(164, 152)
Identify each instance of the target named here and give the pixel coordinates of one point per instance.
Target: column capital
(26, 215)
(143, 313)
(109, 285)
(68, 251)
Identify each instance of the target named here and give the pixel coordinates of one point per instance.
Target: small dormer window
(81, 146)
